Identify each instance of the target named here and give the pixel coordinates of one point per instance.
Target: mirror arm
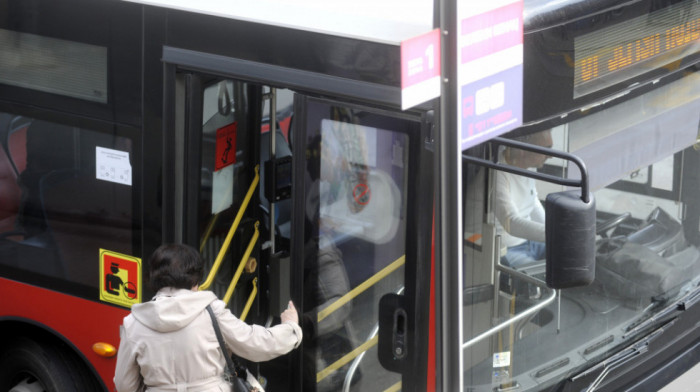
(583, 183)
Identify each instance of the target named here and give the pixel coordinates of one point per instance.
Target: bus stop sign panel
(120, 278)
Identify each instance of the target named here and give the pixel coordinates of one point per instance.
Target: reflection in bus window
(60, 202)
(347, 185)
(355, 227)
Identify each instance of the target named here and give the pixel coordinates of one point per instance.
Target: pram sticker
(120, 278)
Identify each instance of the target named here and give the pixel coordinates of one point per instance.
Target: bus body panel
(79, 322)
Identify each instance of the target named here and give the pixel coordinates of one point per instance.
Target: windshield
(642, 156)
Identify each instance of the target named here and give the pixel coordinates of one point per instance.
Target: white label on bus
(112, 165)
(222, 189)
(501, 359)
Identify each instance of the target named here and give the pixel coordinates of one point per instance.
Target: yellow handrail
(361, 288)
(251, 297)
(232, 230)
(241, 265)
(347, 358)
(208, 231)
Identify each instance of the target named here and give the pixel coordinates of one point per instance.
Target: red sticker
(225, 146)
(361, 194)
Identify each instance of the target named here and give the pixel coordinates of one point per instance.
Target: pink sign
(490, 70)
(491, 32)
(420, 69)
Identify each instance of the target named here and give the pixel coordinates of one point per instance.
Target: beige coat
(169, 343)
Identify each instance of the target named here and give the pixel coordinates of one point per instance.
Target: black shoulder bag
(236, 378)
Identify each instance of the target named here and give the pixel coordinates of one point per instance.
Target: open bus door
(344, 212)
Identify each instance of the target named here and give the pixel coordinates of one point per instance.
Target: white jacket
(169, 343)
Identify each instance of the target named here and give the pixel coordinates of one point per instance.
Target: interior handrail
(242, 264)
(526, 313)
(362, 287)
(356, 362)
(346, 358)
(207, 232)
(251, 297)
(231, 232)
(373, 339)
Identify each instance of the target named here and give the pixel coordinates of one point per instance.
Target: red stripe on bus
(79, 321)
(431, 318)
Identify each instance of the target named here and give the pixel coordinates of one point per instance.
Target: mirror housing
(570, 231)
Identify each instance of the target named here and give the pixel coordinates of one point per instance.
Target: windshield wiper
(641, 347)
(618, 360)
(682, 304)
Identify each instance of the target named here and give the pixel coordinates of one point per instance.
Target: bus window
(642, 168)
(62, 201)
(356, 180)
(225, 175)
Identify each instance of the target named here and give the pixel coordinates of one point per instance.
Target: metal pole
(450, 209)
(273, 152)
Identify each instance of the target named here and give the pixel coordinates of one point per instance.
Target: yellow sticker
(120, 278)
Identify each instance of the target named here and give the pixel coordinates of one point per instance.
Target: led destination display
(628, 49)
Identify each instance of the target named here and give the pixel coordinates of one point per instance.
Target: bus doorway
(334, 190)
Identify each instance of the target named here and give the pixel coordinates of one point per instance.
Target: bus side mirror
(570, 230)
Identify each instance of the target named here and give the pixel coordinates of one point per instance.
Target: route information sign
(490, 68)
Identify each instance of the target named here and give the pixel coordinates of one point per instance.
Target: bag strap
(229, 363)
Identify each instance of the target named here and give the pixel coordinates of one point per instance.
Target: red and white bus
(270, 135)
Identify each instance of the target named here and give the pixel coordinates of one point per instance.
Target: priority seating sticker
(120, 278)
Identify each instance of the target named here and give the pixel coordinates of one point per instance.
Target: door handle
(394, 333)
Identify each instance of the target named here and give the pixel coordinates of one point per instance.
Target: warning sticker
(361, 194)
(225, 146)
(120, 278)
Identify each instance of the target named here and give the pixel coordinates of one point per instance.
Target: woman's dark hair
(175, 265)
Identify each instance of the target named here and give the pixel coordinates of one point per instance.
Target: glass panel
(225, 176)
(520, 333)
(355, 231)
(62, 198)
(53, 65)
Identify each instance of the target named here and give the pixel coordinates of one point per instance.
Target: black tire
(26, 361)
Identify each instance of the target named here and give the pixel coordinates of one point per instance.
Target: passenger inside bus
(519, 212)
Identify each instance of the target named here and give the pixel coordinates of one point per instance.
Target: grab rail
(373, 339)
(346, 358)
(207, 232)
(231, 232)
(520, 316)
(241, 265)
(251, 297)
(356, 363)
(362, 287)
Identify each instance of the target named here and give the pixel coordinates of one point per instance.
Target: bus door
(212, 181)
(335, 190)
(355, 244)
